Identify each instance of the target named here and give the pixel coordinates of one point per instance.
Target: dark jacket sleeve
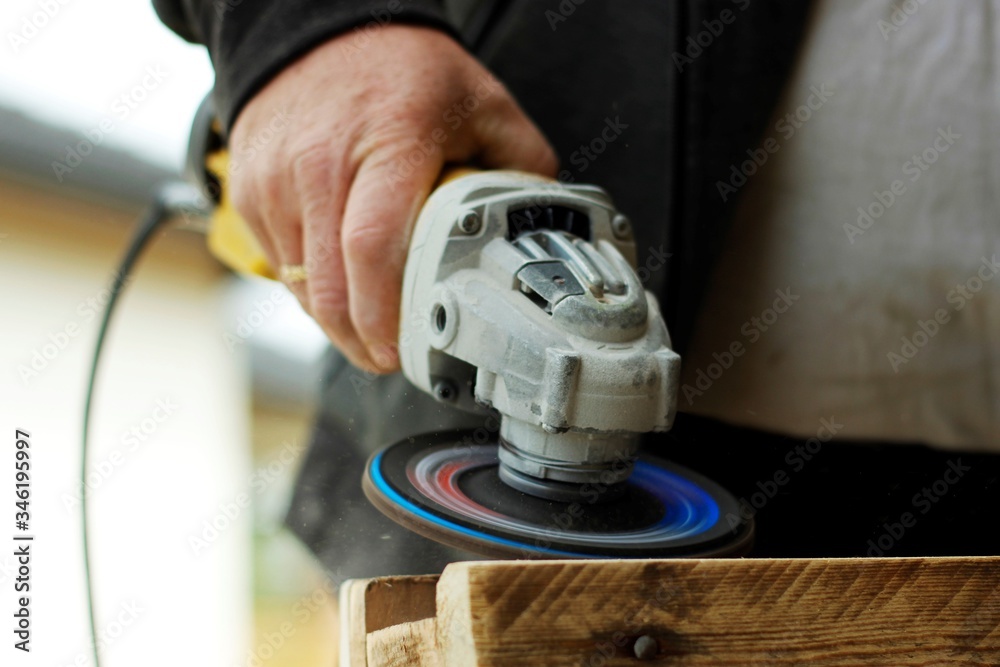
(250, 41)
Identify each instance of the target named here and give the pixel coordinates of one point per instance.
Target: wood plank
(351, 607)
(860, 612)
(394, 600)
(404, 645)
(370, 605)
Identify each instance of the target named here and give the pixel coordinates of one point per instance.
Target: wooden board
(371, 605)
(407, 645)
(723, 612)
(912, 611)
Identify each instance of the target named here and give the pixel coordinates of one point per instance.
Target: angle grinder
(520, 297)
(521, 300)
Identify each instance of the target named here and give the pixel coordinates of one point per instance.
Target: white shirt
(867, 240)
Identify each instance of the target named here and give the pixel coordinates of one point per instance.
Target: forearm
(250, 41)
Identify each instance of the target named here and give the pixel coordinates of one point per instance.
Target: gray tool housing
(521, 294)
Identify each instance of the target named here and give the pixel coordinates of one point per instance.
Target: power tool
(521, 300)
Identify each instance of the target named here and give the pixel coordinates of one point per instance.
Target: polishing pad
(452, 493)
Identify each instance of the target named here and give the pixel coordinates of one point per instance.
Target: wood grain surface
(407, 645)
(854, 612)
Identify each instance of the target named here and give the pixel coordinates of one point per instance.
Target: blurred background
(206, 388)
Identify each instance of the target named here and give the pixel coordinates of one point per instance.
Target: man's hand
(366, 133)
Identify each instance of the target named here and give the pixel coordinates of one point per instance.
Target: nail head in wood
(645, 648)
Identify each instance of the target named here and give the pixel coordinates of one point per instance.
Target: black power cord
(171, 199)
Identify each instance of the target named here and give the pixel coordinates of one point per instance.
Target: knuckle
(398, 118)
(311, 173)
(329, 307)
(319, 251)
(370, 241)
(311, 157)
(314, 171)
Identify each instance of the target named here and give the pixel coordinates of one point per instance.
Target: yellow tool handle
(229, 237)
(231, 240)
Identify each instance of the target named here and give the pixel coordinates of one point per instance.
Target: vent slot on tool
(560, 218)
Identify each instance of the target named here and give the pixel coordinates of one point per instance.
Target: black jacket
(689, 86)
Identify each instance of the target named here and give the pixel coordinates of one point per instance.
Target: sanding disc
(452, 493)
